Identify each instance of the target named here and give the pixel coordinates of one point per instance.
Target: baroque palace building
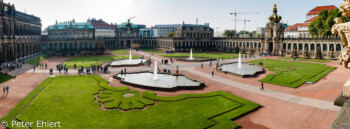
(72, 39)
(200, 38)
(20, 34)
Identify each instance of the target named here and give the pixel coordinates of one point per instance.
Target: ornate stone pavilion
(20, 34)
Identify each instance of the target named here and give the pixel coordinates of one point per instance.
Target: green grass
(152, 51)
(224, 55)
(70, 100)
(4, 78)
(292, 74)
(36, 61)
(301, 59)
(120, 51)
(87, 61)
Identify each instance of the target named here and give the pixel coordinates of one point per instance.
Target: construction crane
(235, 13)
(245, 23)
(131, 19)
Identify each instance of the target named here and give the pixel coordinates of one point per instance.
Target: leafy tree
(171, 34)
(322, 26)
(250, 35)
(230, 33)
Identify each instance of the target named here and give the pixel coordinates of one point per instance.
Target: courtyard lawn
(71, 100)
(224, 55)
(120, 51)
(4, 78)
(301, 59)
(36, 61)
(87, 61)
(293, 74)
(152, 51)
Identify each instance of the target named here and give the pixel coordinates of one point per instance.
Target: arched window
(289, 46)
(325, 47)
(338, 47)
(284, 46)
(312, 47)
(300, 47)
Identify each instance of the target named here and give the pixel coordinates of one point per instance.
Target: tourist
(202, 65)
(124, 70)
(67, 70)
(212, 74)
(162, 61)
(262, 86)
(75, 66)
(295, 58)
(33, 68)
(7, 89)
(210, 64)
(3, 90)
(45, 66)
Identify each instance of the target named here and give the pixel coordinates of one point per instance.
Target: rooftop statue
(343, 30)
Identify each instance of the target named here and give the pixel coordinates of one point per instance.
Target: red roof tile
(312, 19)
(318, 9)
(295, 27)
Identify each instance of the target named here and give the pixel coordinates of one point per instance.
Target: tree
(321, 27)
(171, 34)
(230, 33)
(250, 35)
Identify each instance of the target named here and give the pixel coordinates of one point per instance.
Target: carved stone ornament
(343, 30)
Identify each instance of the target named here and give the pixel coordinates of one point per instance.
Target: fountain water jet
(191, 57)
(239, 61)
(155, 72)
(130, 57)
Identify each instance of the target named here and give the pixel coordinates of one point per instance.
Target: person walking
(3, 90)
(210, 64)
(7, 89)
(202, 65)
(34, 68)
(124, 70)
(212, 74)
(262, 86)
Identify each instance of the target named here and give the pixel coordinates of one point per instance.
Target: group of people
(11, 65)
(42, 66)
(5, 89)
(63, 68)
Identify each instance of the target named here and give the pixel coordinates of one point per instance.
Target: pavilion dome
(125, 24)
(275, 17)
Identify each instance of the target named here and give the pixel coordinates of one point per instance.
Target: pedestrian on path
(34, 68)
(202, 65)
(3, 90)
(262, 86)
(212, 74)
(7, 89)
(210, 64)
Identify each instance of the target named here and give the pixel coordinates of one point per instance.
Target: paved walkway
(270, 93)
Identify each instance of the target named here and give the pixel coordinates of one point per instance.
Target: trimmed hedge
(87, 61)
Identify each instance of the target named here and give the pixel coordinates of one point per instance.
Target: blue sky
(151, 12)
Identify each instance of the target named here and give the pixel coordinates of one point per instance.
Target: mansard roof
(71, 25)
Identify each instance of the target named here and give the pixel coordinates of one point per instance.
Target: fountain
(159, 81)
(239, 61)
(128, 62)
(241, 69)
(155, 73)
(130, 57)
(191, 57)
